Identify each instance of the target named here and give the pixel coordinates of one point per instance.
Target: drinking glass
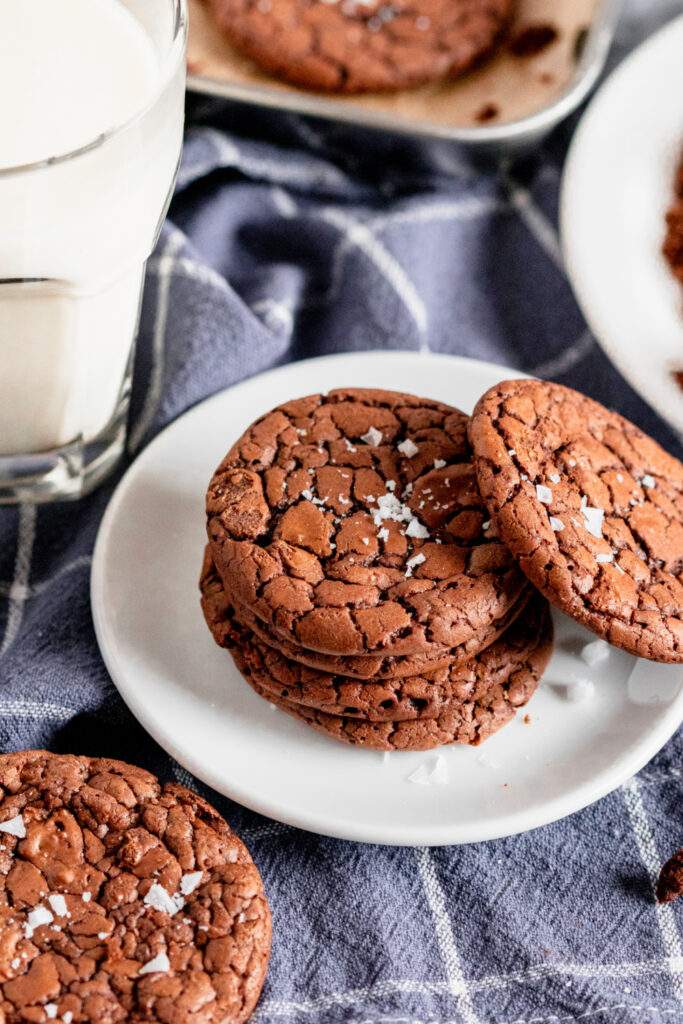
(77, 229)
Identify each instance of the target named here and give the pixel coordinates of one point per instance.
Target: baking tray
(405, 123)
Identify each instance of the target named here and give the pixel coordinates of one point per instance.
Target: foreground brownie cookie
(591, 508)
(503, 669)
(122, 899)
(360, 45)
(351, 524)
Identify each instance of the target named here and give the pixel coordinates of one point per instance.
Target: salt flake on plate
(430, 773)
(594, 652)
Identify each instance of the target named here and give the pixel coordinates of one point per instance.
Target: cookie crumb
(670, 881)
(533, 39)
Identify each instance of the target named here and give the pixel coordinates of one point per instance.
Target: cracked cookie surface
(502, 677)
(351, 524)
(361, 45)
(122, 899)
(470, 722)
(592, 509)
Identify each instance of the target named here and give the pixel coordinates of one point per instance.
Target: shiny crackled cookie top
(122, 900)
(360, 45)
(590, 506)
(351, 522)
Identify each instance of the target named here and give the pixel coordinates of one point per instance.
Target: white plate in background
(187, 693)
(617, 185)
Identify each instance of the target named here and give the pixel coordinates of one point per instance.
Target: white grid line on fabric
(192, 269)
(468, 208)
(531, 215)
(26, 534)
(156, 378)
(275, 315)
(625, 971)
(357, 235)
(604, 1011)
(666, 920)
(436, 901)
(567, 359)
(35, 709)
(25, 593)
(280, 173)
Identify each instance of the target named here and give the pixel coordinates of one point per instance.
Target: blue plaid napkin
(279, 250)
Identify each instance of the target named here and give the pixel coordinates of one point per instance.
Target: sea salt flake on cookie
(373, 437)
(648, 481)
(417, 530)
(544, 494)
(556, 524)
(58, 904)
(416, 560)
(14, 827)
(190, 881)
(408, 448)
(593, 519)
(159, 964)
(554, 478)
(439, 463)
(159, 899)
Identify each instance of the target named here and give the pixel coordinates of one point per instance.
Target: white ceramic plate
(188, 695)
(618, 183)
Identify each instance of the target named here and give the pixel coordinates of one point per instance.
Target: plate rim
(447, 833)
(571, 246)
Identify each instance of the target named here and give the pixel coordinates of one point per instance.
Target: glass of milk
(90, 138)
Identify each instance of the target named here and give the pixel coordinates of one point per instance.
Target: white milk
(70, 71)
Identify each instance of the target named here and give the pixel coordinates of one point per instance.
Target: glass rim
(175, 51)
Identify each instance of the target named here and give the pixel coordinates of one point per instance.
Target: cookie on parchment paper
(351, 46)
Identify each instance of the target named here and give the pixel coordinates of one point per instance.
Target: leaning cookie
(501, 668)
(591, 508)
(360, 45)
(125, 899)
(351, 524)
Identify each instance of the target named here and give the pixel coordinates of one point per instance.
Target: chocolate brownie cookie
(123, 900)
(492, 703)
(401, 699)
(361, 45)
(592, 509)
(351, 524)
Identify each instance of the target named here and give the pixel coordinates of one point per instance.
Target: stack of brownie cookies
(358, 579)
